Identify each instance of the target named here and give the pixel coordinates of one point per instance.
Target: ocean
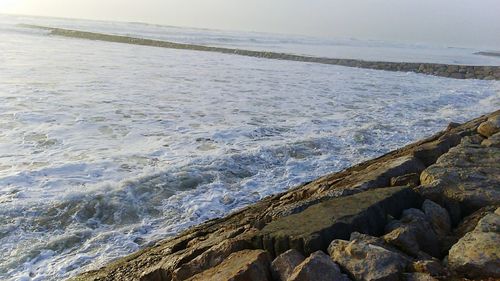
(108, 147)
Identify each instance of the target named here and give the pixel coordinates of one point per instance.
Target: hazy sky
(444, 22)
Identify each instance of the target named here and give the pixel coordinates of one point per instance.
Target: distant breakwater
(442, 70)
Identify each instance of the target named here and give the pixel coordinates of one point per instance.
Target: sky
(467, 23)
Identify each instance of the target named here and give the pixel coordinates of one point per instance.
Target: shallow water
(105, 147)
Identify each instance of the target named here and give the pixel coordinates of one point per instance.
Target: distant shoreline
(435, 69)
(489, 54)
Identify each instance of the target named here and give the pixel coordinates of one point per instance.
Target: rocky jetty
(436, 69)
(428, 211)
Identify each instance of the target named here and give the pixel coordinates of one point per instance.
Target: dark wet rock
(282, 266)
(414, 234)
(319, 267)
(412, 179)
(477, 254)
(246, 265)
(490, 127)
(366, 261)
(438, 217)
(315, 227)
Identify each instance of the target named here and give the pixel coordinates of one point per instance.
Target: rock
(316, 226)
(490, 127)
(473, 139)
(468, 175)
(412, 179)
(438, 217)
(429, 152)
(403, 238)
(452, 125)
(470, 222)
(418, 276)
(246, 265)
(365, 261)
(490, 223)
(432, 267)
(210, 258)
(477, 254)
(492, 141)
(414, 234)
(457, 75)
(319, 267)
(379, 175)
(282, 267)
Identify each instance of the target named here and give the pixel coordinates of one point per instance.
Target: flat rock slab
(314, 228)
(247, 265)
(467, 174)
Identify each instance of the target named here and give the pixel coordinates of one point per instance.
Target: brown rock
(477, 254)
(490, 127)
(282, 266)
(418, 276)
(379, 175)
(210, 258)
(313, 228)
(492, 141)
(432, 267)
(412, 179)
(365, 261)
(429, 152)
(470, 222)
(319, 267)
(246, 265)
(467, 174)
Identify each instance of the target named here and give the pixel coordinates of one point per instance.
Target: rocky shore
(442, 70)
(428, 211)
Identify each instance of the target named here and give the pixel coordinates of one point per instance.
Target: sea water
(106, 147)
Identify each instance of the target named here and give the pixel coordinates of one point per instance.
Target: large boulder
(246, 265)
(490, 127)
(477, 254)
(366, 261)
(468, 175)
(438, 217)
(319, 267)
(315, 227)
(413, 234)
(493, 141)
(282, 266)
